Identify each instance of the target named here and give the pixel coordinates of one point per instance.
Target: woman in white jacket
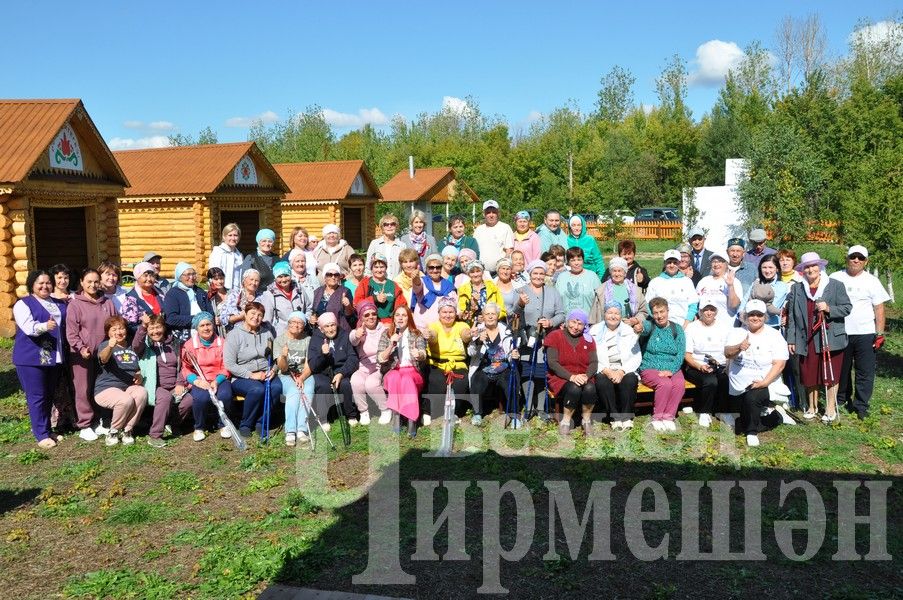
(228, 257)
(492, 350)
(618, 350)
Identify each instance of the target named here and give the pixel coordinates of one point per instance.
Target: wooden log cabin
(340, 192)
(431, 190)
(58, 188)
(181, 197)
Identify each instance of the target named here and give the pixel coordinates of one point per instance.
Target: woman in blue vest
(39, 351)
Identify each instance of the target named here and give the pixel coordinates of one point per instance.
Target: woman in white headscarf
(332, 249)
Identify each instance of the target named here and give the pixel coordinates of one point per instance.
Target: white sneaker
(728, 419)
(628, 424)
(167, 431)
(658, 425)
(100, 429)
(365, 418)
(199, 435)
(385, 417)
(88, 434)
(326, 427)
(688, 410)
(353, 422)
(112, 438)
(127, 438)
(289, 439)
(301, 437)
(787, 419)
(427, 420)
(617, 425)
(225, 433)
(752, 441)
(670, 425)
(705, 420)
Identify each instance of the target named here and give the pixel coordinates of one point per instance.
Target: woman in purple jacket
(85, 317)
(39, 351)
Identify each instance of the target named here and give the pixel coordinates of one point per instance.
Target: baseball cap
(684, 248)
(757, 235)
(669, 254)
(151, 256)
(695, 231)
(736, 242)
(719, 253)
(755, 306)
(490, 204)
(857, 249)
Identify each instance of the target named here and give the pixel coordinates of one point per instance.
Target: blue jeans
(295, 413)
(253, 391)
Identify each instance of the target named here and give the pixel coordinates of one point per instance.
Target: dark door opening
(353, 226)
(249, 223)
(61, 237)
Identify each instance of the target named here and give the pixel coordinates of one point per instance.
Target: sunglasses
(369, 313)
(332, 274)
(390, 224)
(434, 267)
(856, 257)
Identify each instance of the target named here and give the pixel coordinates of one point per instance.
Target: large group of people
(530, 320)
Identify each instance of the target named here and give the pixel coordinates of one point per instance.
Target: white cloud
(161, 126)
(533, 116)
(713, 60)
(364, 116)
(879, 33)
(267, 117)
(455, 105)
(647, 108)
(133, 124)
(154, 141)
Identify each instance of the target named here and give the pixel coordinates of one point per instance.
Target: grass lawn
(200, 520)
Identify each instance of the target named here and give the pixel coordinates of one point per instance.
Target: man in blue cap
(743, 270)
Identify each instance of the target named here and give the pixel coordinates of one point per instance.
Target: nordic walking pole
(267, 385)
(445, 446)
(307, 408)
(235, 436)
(343, 420)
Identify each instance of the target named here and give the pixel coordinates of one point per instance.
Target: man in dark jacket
(333, 360)
(700, 258)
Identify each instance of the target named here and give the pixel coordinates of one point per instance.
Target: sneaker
(669, 425)
(658, 425)
(365, 418)
(112, 438)
(705, 420)
(245, 432)
(156, 442)
(88, 434)
(688, 410)
(617, 425)
(628, 424)
(290, 439)
(199, 435)
(828, 419)
(167, 431)
(427, 420)
(225, 433)
(808, 415)
(384, 417)
(785, 416)
(47, 443)
(301, 437)
(127, 438)
(476, 420)
(326, 427)
(100, 429)
(752, 441)
(354, 422)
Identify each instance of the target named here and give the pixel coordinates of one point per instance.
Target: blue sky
(145, 70)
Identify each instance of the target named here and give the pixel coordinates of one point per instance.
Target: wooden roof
(189, 170)
(27, 127)
(425, 185)
(326, 180)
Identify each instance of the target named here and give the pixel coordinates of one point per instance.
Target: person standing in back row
(495, 239)
(865, 331)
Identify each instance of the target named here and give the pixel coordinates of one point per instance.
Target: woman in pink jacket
(85, 317)
(525, 239)
(207, 349)
(368, 379)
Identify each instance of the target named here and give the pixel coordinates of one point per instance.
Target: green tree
(615, 97)
(205, 136)
(302, 137)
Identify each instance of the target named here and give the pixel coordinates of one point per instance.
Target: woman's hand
(665, 374)
(515, 354)
(822, 306)
(381, 298)
(312, 320)
(51, 324)
(258, 375)
(178, 390)
(145, 319)
(336, 380)
(201, 384)
(523, 298)
(396, 337)
(758, 384)
(284, 353)
(138, 379)
(85, 352)
(578, 379)
(544, 323)
(791, 348)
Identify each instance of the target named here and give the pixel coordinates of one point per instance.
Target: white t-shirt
(711, 340)
(754, 363)
(492, 242)
(716, 291)
(865, 292)
(678, 291)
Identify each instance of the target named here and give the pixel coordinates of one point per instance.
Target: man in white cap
(677, 289)
(758, 248)
(699, 256)
(495, 239)
(154, 258)
(865, 330)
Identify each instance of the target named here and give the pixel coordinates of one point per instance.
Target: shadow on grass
(9, 383)
(344, 549)
(13, 499)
